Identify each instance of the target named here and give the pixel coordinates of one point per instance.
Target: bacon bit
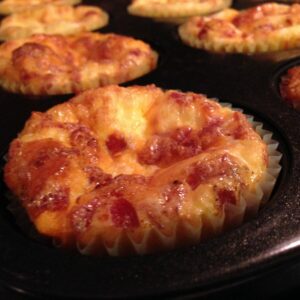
(127, 184)
(188, 143)
(176, 145)
(83, 140)
(82, 216)
(54, 201)
(202, 32)
(45, 158)
(135, 52)
(200, 22)
(182, 135)
(289, 22)
(33, 49)
(212, 125)
(98, 177)
(106, 49)
(125, 179)
(241, 128)
(210, 132)
(203, 171)
(116, 143)
(248, 16)
(229, 32)
(84, 45)
(123, 214)
(152, 152)
(202, 28)
(209, 108)
(181, 98)
(221, 27)
(225, 196)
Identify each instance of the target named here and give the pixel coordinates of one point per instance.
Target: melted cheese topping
(52, 19)
(267, 27)
(175, 8)
(54, 64)
(115, 161)
(12, 6)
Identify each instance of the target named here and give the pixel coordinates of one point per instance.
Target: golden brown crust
(167, 9)
(12, 6)
(135, 169)
(290, 87)
(52, 19)
(264, 28)
(54, 64)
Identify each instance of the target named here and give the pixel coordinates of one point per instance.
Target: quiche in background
(55, 64)
(263, 28)
(12, 6)
(175, 10)
(52, 19)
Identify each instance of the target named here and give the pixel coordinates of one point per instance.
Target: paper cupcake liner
(153, 241)
(176, 10)
(183, 232)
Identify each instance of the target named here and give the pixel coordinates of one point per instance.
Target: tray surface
(270, 239)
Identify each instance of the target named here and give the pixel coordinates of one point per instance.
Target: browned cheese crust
(136, 170)
(54, 64)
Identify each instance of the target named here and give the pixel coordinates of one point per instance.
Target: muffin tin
(270, 239)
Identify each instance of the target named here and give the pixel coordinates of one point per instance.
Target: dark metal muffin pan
(269, 240)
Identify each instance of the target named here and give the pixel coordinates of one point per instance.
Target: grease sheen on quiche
(55, 64)
(264, 28)
(12, 6)
(136, 170)
(52, 19)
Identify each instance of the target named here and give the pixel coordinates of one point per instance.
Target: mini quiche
(52, 19)
(136, 170)
(175, 10)
(12, 6)
(264, 28)
(56, 64)
(290, 87)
